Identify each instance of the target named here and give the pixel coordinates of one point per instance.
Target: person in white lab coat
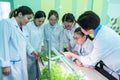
(13, 45)
(70, 25)
(106, 42)
(52, 30)
(85, 45)
(35, 35)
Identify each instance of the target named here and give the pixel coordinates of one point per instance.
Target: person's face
(25, 19)
(68, 25)
(53, 20)
(39, 21)
(79, 39)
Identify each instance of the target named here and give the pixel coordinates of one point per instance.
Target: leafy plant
(58, 73)
(44, 55)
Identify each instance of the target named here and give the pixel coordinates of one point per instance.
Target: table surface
(90, 74)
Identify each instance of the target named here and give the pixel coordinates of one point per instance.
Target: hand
(68, 54)
(35, 53)
(6, 70)
(69, 48)
(78, 63)
(75, 52)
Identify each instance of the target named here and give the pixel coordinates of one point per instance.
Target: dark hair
(78, 31)
(40, 14)
(53, 12)
(23, 9)
(69, 17)
(88, 20)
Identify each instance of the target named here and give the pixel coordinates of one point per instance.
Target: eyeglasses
(77, 38)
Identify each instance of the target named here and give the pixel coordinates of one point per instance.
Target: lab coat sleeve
(27, 36)
(90, 48)
(92, 58)
(30, 49)
(61, 41)
(4, 43)
(67, 38)
(42, 45)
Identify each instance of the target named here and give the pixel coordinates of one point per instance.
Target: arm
(41, 44)
(4, 47)
(30, 50)
(67, 40)
(91, 59)
(75, 56)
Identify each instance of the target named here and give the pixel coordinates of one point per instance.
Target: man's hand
(6, 70)
(35, 53)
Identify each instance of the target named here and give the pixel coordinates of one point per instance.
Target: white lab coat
(86, 48)
(69, 40)
(35, 35)
(13, 47)
(52, 34)
(63, 40)
(106, 48)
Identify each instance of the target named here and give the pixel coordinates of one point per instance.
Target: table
(90, 74)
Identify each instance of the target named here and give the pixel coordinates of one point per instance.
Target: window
(5, 9)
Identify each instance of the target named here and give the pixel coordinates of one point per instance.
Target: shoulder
(60, 26)
(30, 24)
(88, 42)
(5, 26)
(106, 31)
(46, 24)
(5, 23)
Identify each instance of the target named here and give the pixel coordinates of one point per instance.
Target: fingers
(6, 70)
(36, 55)
(67, 54)
(38, 58)
(78, 63)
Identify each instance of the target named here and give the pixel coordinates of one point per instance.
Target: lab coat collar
(14, 22)
(34, 26)
(74, 27)
(86, 42)
(97, 30)
(54, 26)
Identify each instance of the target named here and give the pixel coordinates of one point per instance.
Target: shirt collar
(97, 30)
(14, 21)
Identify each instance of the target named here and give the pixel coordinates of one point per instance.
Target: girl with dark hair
(13, 45)
(35, 35)
(85, 46)
(70, 25)
(52, 30)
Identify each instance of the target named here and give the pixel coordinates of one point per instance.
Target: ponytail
(13, 13)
